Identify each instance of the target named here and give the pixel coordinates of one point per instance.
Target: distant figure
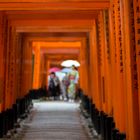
(65, 84)
(73, 78)
(53, 86)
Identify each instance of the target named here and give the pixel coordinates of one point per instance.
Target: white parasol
(69, 63)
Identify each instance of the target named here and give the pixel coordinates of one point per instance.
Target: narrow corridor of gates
(102, 35)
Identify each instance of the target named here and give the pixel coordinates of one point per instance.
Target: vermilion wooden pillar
(108, 63)
(36, 67)
(119, 94)
(18, 70)
(3, 33)
(43, 72)
(104, 61)
(136, 7)
(114, 73)
(100, 63)
(80, 70)
(131, 75)
(112, 37)
(12, 61)
(84, 68)
(88, 70)
(26, 67)
(47, 70)
(10, 67)
(94, 68)
(101, 54)
(123, 51)
(90, 55)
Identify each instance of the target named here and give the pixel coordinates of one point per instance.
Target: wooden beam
(42, 1)
(61, 14)
(50, 29)
(60, 51)
(45, 22)
(90, 5)
(60, 57)
(58, 44)
(57, 36)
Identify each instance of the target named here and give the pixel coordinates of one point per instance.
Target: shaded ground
(53, 121)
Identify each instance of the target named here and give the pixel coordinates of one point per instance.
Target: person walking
(65, 84)
(73, 78)
(53, 86)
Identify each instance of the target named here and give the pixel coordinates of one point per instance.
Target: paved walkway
(53, 121)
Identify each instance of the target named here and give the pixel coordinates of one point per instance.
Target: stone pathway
(53, 121)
